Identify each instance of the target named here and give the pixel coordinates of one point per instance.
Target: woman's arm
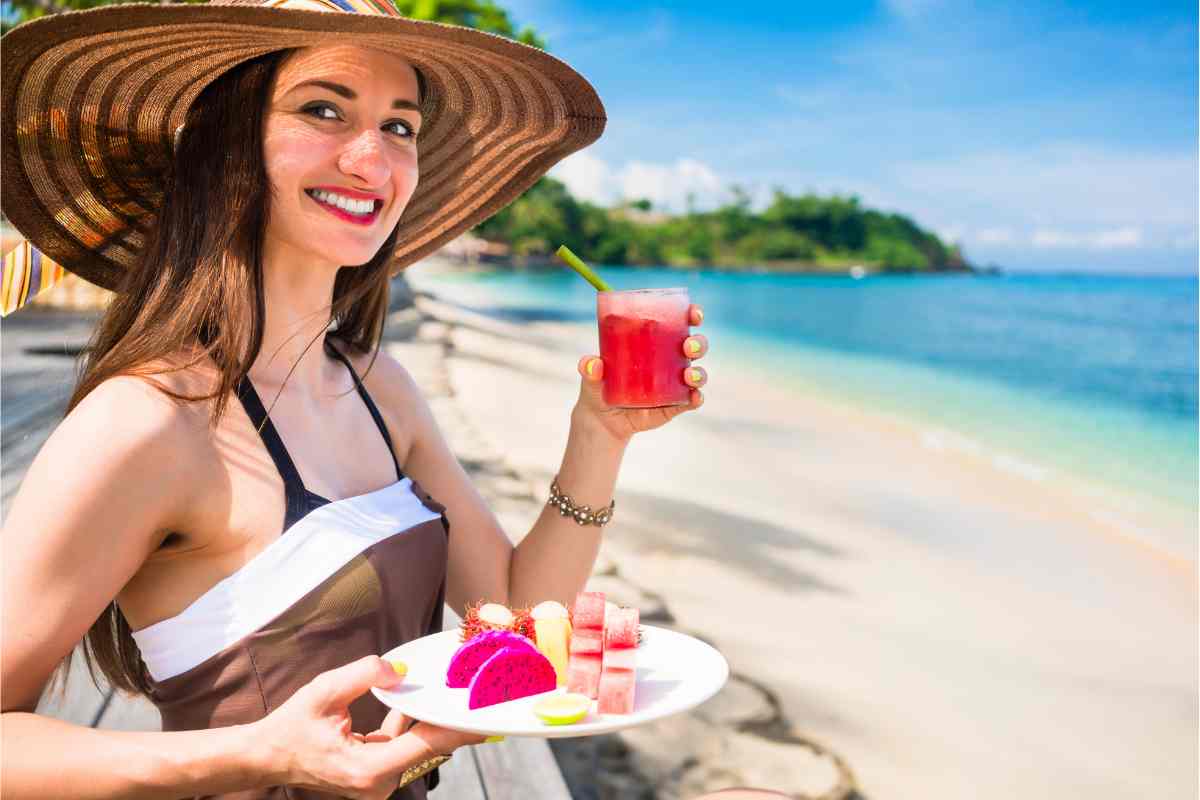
(553, 561)
(95, 502)
(49, 758)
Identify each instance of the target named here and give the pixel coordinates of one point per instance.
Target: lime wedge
(563, 709)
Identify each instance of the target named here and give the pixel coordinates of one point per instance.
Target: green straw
(583, 269)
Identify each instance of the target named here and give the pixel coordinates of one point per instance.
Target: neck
(297, 315)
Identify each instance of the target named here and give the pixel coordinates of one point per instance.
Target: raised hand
(623, 423)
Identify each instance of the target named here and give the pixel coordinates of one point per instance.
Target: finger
(695, 346)
(395, 723)
(695, 315)
(422, 741)
(373, 736)
(695, 377)
(337, 688)
(591, 368)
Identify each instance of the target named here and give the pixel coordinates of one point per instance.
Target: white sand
(948, 627)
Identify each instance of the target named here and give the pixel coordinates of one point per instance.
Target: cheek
(289, 153)
(405, 176)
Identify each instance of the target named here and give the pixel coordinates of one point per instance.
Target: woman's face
(354, 137)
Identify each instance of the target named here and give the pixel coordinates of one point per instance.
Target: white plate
(675, 672)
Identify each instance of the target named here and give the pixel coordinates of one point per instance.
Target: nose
(365, 158)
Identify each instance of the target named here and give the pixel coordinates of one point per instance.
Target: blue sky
(1040, 136)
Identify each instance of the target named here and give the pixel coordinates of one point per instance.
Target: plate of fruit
(553, 672)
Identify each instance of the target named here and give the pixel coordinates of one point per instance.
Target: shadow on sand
(750, 546)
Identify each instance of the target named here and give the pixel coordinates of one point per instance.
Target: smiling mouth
(349, 216)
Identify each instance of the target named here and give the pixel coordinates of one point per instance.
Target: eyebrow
(350, 94)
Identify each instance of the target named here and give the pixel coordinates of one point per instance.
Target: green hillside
(801, 233)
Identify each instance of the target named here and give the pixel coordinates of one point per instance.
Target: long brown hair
(198, 289)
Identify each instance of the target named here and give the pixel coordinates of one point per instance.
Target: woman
(241, 495)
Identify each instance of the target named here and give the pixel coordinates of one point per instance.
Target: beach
(911, 617)
(903, 616)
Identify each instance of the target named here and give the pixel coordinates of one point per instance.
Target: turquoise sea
(1093, 376)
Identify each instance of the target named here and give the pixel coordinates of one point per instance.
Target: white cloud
(1113, 239)
(1074, 185)
(586, 176)
(995, 236)
(665, 185)
(1058, 196)
(668, 185)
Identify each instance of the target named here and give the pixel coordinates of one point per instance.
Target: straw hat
(92, 100)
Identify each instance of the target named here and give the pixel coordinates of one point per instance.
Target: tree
(482, 15)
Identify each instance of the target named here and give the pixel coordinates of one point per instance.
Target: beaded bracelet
(582, 514)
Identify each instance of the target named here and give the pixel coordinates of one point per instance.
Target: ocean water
(1089, 376)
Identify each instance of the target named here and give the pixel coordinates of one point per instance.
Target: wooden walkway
(37, 374)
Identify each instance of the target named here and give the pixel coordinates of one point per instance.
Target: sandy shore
(942, 626)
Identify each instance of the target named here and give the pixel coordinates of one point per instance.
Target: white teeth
(360, 207)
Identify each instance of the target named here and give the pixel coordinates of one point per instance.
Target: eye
(318, 107)
(406, 130)
(400, 127)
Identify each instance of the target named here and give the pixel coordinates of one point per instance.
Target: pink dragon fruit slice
(467, 660)
(510, 673)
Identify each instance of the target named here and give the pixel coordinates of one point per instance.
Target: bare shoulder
(131, 422)
(141, 409)
(389, 382)
(128, 411)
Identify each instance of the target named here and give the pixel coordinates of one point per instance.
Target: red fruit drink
(641, 344)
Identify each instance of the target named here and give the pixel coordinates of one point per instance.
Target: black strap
(375, 415)
(297, 499)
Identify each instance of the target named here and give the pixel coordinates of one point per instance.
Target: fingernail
(399, 667)
(695, 375)
(693, 346)
(699, 315)
(493, 739)
(591, 366)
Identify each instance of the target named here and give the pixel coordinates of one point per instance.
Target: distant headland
(794, 234)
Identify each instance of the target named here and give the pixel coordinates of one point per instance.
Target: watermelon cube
(588, 611)
(583, 674)
(584, 661)
(621, 628)
(616, 691)
(618, 666)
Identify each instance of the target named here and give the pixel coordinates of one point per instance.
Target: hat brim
(91, 100)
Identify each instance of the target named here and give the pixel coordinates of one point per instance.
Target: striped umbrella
(27, 273)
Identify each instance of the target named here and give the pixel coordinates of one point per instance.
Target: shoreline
(941, 609)
(1105, 481)
(1148, 515)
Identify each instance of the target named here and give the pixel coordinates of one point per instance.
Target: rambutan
(482, 617)
(523, 624)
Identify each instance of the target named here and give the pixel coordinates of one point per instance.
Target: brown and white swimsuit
(346, 579)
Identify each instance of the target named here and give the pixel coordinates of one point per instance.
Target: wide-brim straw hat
(92, 100)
